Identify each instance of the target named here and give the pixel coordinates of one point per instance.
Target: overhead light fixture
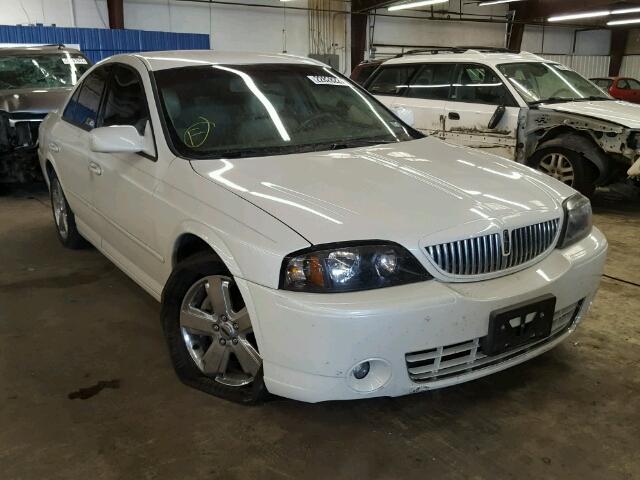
(613, 23)
(624, 11)
(423, 3)
(496, 2)
(578, 16)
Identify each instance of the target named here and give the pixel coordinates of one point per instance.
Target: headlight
(577, 221)
(349, 267)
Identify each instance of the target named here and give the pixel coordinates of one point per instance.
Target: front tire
(568, 167)
(209, 332)
(64, 218)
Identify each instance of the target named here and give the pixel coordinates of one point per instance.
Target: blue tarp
(98, 43)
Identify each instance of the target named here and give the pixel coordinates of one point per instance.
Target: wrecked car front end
(614, 148)
(21, 113)
(33, 82)
(18, 139)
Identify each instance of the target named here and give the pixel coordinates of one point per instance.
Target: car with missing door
(519, 106)
(34, 80)
(302, 239)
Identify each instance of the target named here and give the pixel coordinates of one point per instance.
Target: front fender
(209, 236)
(248, 240)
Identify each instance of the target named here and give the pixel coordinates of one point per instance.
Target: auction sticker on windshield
(76, 61)
(325, 80)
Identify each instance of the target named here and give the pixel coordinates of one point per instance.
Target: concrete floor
(87, 391)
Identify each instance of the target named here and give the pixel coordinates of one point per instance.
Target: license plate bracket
(516, 325)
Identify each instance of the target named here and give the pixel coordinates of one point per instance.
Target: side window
(623, 85)
(633, 84)
(392, 80)
(70, 109)
(125, 102)
(479, 84)
(432, 82)
(83, 110)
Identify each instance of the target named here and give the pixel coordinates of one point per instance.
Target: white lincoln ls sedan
(304, 240)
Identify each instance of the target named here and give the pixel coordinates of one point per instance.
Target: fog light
(362, 370)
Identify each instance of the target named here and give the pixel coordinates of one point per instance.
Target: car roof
(185, 58)
(484, 57)
(37, 49)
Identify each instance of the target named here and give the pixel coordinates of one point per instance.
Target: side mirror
(116, 139)
(405, 114)
(496, 117)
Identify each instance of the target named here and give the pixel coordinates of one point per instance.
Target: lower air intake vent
(451, 360)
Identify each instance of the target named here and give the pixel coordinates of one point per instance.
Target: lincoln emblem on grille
(506, 243)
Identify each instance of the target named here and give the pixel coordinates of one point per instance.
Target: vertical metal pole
(116, 13)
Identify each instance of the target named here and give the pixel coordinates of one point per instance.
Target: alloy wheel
(60, 211)
(557, 166)
(217, 332)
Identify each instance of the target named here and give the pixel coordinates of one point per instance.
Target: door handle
(95, 168)
(54, 147)
(454, 116)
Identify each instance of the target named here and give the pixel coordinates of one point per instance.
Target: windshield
(550, 83)
(49, 70)
(219, 111)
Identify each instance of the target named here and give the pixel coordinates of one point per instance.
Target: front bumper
(311, 342)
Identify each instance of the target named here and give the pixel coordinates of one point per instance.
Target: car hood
(411, 192)
(615, 111)
(33, 100)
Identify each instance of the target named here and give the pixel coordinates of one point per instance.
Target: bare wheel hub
(557, 166)
(217, 332)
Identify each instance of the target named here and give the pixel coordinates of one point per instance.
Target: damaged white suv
(518, 106)
(305, 242)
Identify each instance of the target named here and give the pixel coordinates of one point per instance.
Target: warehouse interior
(87, 388)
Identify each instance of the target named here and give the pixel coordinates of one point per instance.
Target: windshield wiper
(552, 100)
(363, 142)
(285, 149)
(591, 98)
(241, 152)
(595, 98)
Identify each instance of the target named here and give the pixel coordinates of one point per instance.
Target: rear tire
(568, 167)
(63, 217)
(209, 332)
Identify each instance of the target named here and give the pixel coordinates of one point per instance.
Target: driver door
(126, 182)
(476, 95)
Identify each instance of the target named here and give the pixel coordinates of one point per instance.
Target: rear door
(476, 95)
(390, 82)
(69, 147)
(426, 95)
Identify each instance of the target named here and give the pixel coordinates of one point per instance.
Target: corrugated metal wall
(588, 66)
(98, 43)
(630, 66)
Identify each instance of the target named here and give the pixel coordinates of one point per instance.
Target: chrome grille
(460, 358)
(495, 252)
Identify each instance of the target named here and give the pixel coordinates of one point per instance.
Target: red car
(622, 88)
